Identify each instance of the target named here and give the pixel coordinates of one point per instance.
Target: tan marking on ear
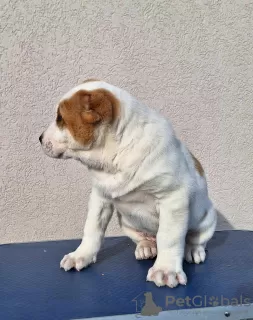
(90, 80)
(91, 117)
(86, 110)
(198, 165)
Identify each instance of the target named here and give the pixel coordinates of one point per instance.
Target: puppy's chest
(136, 203)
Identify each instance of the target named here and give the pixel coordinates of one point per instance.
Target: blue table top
(32, 286)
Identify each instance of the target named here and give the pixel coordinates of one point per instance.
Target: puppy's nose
(41, 137)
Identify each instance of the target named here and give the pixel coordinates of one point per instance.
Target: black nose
(40, 138)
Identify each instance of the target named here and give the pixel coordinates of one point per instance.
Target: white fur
(140, 169)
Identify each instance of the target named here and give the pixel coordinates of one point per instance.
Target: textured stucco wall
(193, 60)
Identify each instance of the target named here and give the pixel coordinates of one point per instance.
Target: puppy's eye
(59, 118)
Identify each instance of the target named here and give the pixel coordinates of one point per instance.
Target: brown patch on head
(85, 111)
(90, 80)
(198, 165)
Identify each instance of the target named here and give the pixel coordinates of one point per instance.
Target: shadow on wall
(223, 223)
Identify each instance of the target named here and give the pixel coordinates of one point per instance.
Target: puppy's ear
(88, 114)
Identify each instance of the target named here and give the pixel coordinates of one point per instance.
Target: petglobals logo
(146, 304)
(199, 301)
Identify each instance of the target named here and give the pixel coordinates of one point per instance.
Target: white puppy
(139, 169)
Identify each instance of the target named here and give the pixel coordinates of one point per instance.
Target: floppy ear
(88, 114)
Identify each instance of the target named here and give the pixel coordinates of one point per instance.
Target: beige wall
(193, 60)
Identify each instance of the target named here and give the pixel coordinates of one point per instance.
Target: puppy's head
(78, 122)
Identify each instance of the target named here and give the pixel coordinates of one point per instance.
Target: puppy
(139, 169)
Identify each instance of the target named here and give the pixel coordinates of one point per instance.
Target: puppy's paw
(195, 253)
(145, 249)
(76, 260)
(165, 277)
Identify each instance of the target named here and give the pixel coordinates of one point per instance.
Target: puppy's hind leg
(145, 244)
(196, 240)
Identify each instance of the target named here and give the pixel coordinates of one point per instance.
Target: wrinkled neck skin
(102, 152)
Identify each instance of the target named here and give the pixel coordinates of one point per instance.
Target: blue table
(32, 286)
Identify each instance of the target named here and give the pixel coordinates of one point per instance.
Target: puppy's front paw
(164, 277)
(145, 249)
(195, 253)
(76, 260)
